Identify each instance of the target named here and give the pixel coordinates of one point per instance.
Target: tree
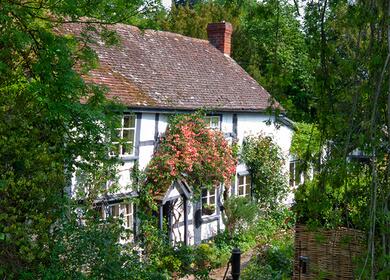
(267, 42)
(349, 44)
(46, 133)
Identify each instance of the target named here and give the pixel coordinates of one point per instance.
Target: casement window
(295, 173)
(100, 211)
(123, 211)
(209, 201)
(213, 122)
(124, 142)
(244, 185)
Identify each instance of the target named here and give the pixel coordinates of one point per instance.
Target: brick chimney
(220, 36)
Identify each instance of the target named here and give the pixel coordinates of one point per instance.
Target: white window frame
(206, 198)
(124, 211)
(121, 132)
(246, 186)
(210, 124)
(294, 177)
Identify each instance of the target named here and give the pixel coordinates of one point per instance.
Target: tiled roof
(163, 70)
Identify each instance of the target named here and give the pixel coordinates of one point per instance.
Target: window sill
(128, 158)
(210, 218)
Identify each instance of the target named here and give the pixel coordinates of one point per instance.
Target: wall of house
(151, 125)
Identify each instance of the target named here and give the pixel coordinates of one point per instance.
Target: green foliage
(306, 143)
(265, 163)
(273, 262)
(90, 250)
(274, 253)
(330, 206)
(46, 134)
(238, 214)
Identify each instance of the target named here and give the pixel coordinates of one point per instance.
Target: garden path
(218, 273)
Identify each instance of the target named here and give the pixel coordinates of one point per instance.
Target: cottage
(155, 74)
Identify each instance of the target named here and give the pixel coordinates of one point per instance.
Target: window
(124, 143)
(213, 122)
(209, 199)
(127, 212)
(244, 185)
(123, 211)
(295, 173)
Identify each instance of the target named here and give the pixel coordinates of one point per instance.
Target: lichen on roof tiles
(170, 71)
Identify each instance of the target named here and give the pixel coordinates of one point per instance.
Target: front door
(167, 216)
(174, 216)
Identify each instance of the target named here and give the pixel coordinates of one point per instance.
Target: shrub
(273, 261)
(265, 162)
(239, 213)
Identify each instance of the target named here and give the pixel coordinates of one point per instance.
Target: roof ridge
(162, 32)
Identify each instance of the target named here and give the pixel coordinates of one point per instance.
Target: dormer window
(124, 144)
(213, 122)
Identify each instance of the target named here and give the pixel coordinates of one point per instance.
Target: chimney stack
(220, 36)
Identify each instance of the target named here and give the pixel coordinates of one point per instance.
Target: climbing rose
(193, 152)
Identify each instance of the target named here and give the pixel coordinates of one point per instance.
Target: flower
(190, 148)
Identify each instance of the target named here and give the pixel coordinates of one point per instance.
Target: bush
(265, 162)
(239, 213)
(273, 261)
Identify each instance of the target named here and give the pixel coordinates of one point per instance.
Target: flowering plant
(191, 151)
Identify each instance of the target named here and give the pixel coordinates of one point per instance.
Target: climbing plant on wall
(265, 162)
(191, 151)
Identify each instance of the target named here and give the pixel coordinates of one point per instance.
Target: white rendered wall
(247, 124)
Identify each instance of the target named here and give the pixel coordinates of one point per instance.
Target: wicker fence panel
(326, 254)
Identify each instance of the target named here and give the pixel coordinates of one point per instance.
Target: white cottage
(155, 74)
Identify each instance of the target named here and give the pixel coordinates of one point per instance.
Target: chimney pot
(220, 36)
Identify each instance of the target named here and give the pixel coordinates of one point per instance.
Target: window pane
(204, 201)
(129, 209)
(129, 121)
(115, 210)
(248, 180)
(247, 190)
(240, 180)
(115, 149)
(297, 173)
(128, 135)
(212, 200)
(129, 222)
(240, 190)
(215, 122)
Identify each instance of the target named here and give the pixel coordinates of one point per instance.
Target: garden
(326, 62)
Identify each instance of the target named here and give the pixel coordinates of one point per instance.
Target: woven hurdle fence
(326, 254)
